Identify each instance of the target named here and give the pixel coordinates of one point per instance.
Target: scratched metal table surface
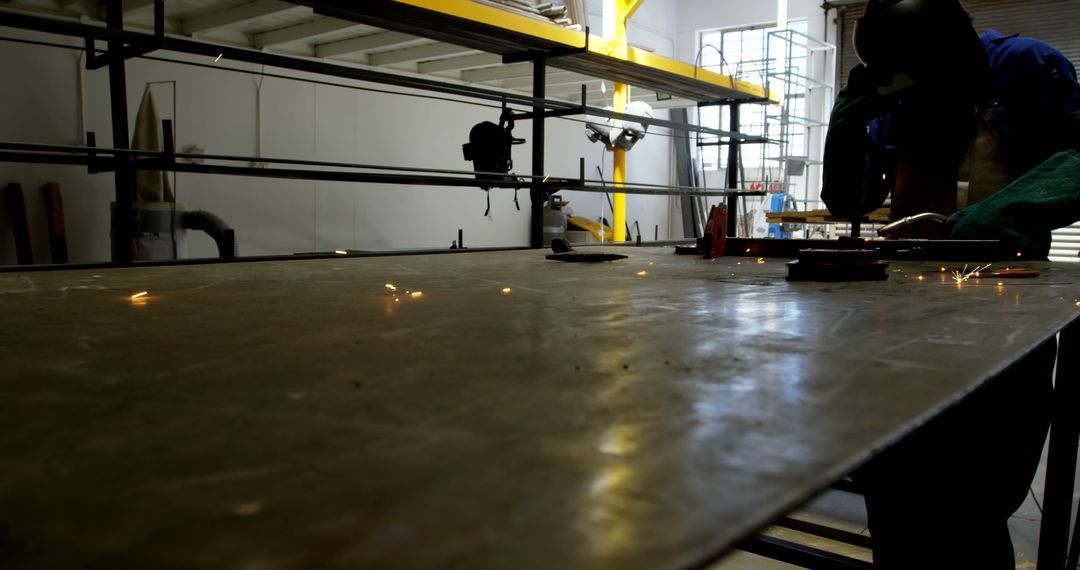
(519, 413)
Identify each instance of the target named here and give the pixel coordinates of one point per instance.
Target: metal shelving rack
(804, 108)
(122, 44)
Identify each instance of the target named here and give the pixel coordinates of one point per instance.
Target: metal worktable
(521, 413)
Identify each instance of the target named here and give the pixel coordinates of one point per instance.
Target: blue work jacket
(1033, 107)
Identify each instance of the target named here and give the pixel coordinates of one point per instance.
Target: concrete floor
(846, 511)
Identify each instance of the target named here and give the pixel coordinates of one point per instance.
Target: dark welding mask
(928, 43)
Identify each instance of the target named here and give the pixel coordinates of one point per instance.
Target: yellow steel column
(624, 9)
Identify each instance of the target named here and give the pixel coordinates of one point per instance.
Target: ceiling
(286, 28)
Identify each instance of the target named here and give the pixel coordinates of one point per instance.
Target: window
(743, 54)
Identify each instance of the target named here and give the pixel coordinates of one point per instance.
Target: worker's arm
(857, 171)
(1035, 102)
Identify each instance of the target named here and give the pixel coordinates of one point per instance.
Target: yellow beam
(485, 15)
(624, 9)
(492, 16)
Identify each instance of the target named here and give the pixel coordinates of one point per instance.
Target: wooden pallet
(879, 216)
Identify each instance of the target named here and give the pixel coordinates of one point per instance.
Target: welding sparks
(218, 58)
(546, 176)
(642, 273)
(964, 274)
(507, 290)
(391, 287)
(341, 252)
(416, 294)
(761, 260)
(920, 278)
(1018, 254)
(140, 294)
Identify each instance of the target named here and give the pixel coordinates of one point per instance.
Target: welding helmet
(932, 42)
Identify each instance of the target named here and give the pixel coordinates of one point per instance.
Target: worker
(933, 102)
(935, 105)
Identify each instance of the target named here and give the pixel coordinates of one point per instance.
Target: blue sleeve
(1035, 99)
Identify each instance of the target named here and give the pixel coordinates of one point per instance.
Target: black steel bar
(15, 204)
(159, 20)
(338, 176)
(54, 217)
(1061, 454)
(54, 26)
(38, 158)
(1074, 547)
(552, 185)
(142, 47)
(836, 534)
(94, 61)
(168, 144)
(856, 228)
(75, 29)
(79, 150)
(801, 555)
(124, 222)
(653, 122)
(251, 259)
(537, 194)
(911, 250)
(743, 140)
(72, 151)
(229, 247)
(733, 174)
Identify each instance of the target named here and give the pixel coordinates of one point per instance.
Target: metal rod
(124, 223)
(733, 173)
(800, 555)
(251, 259)
(537, 194)
(1061, 454)
(24, 21)
(79, 150)
(101, 159)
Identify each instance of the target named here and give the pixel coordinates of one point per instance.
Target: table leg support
(1061, 456)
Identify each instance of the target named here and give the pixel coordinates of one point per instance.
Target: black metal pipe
(800, 555)
(252, 259)
(537, 194)
(15, 204)
(1061, 454)
(124, 221)
(54, 26)
(733, 174)
(97, 163)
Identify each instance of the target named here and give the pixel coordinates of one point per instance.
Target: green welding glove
(855, 171)
(1023, 214)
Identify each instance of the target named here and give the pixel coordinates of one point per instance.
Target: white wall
(697, 15)
(216, 111)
